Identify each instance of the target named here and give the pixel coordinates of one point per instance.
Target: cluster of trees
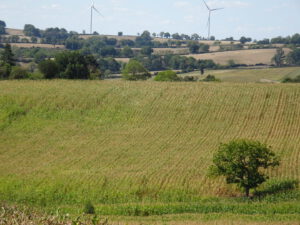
(8, 68)
(174, 62)
(6, 62)
(243, 40)
(294, 39)
(75, 65)
(16, 39)
(196, 47)
(65, 64)
(134, 71)
(49, 36)
(178, 36)
(293, 58)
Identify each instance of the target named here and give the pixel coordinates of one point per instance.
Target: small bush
(190, 79)
(36, 76)
(211, 78)
(291, 80)
(89, 208)
(5, 71)
(167, 75)
(18, 73)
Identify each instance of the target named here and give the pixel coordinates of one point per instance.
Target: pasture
(142, 148)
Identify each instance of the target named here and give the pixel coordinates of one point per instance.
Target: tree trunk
(247, 190)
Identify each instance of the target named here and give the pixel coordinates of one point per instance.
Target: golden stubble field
(249, 57)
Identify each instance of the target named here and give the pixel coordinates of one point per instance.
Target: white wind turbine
(93, 8)
(208, 23)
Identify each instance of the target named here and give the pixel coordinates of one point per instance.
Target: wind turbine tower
(209, 17)
(93, 8)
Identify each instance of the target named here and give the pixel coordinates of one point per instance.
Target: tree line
(85, 65)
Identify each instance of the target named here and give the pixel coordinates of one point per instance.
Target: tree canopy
(31, 31)
(167, 75)
(243, 162)
(135, 71)
(279, 57)
(293, 57)
(2, 27)
(7, 55)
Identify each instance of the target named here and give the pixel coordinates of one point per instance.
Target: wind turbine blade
(206, 5)
(216, 9)
(97, 11)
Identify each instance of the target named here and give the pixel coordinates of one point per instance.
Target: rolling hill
(110, 139)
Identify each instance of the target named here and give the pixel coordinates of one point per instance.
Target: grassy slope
(250, 75)
(63, 142)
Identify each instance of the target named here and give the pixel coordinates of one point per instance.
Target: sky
(251, 18)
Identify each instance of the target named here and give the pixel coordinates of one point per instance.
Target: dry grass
(123, 60)
(32, 45)
(17, 32)
(250, 57)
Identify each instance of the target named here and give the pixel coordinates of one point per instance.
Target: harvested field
(249, 57)
(31, 45)
(17, 32)
(124, 60)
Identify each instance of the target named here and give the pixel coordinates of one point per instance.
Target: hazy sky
(254, 18)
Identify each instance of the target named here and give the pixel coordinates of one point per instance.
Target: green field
(143, 148)
(251, 75)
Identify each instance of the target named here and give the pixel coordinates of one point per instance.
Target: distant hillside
(11, 31)
(249, 57)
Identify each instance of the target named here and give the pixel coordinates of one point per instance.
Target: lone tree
(243, 162)
(279, 57)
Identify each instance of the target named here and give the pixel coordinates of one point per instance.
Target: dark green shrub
(167, 75)
(49, 68)
(19, 73)
(89, 208)
(291, 80)
(5, 71)
(36, 76)
(190, 79)
(211, 78)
